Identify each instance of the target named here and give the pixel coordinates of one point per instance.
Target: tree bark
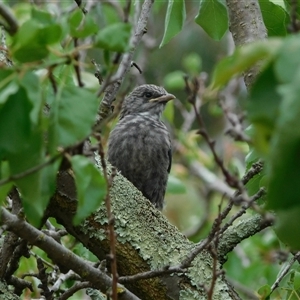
(5, 293)
(246, 26)
(145, 241)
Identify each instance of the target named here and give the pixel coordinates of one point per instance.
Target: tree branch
(146, 242)
(58, 253)
(7, 15)
(246, 26)
(114, 83)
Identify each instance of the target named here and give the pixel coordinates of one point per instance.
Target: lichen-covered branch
(58, 253)
(239, 232)
(145, 241)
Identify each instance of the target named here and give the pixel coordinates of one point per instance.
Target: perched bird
(140, 146)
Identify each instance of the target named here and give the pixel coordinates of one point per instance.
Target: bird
(140, 145)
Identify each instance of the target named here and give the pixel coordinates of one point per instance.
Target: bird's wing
(170, 159)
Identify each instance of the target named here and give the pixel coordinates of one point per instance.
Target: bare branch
(57, 252)
(284, 272)
(114, 82)
(9, 18)
(75, 288)
(111, 220)
(31, 170)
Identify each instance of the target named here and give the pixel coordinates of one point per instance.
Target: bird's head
(146, 99)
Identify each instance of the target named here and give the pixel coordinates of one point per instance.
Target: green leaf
(284, 169)
(75, 19)
(255, 183)
(43, 17)
(288, 62)
(275, 18)
(81, 25)
(175, 185)
(287, 226)
(21, 140)
(90, 187)
(213, 18)
(30, 82)
(242, 59)
(114, 37)
(290, 4)
(296, 281)
(31, 41)
(37, 188)
(251, 157)
(174, 80)
(264, 292)
(192, 63)
(15, 129)
(264, 100)
(168, 113)
(72, 116)
(9, 89)
(262, 138)
(4, 173)
(174, 21)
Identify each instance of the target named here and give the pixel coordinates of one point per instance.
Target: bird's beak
(164, 98)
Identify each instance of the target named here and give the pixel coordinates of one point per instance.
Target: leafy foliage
(27, 157)
(114, 37)
(175, 18)
(274, 111)
(47, 111)
(90, 185)
(213, 18)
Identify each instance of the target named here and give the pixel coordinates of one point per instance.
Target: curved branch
(59, 253)
(239, 232)
(9, 18)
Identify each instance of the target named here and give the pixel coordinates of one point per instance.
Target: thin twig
(77, 65)
(7, 15)
(236, 131)
(31, 170)
(79, 3)
(134, 64)
(126, 11)
(112, 85)
(284, 272)
(42, 276)
(230, 179)
(97, 73)
(57, 251)
(294, 24)
(52, 79)
(111, 220)
(255, 169)
(214, 253)
(151, 274)
(243, 209)
(61, 279)
(75, 288)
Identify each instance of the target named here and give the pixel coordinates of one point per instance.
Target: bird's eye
(148, 94)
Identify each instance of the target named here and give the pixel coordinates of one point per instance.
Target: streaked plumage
(140, 146)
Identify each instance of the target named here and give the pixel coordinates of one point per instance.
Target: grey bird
(140, 145)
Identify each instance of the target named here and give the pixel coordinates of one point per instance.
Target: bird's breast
(144, 127)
